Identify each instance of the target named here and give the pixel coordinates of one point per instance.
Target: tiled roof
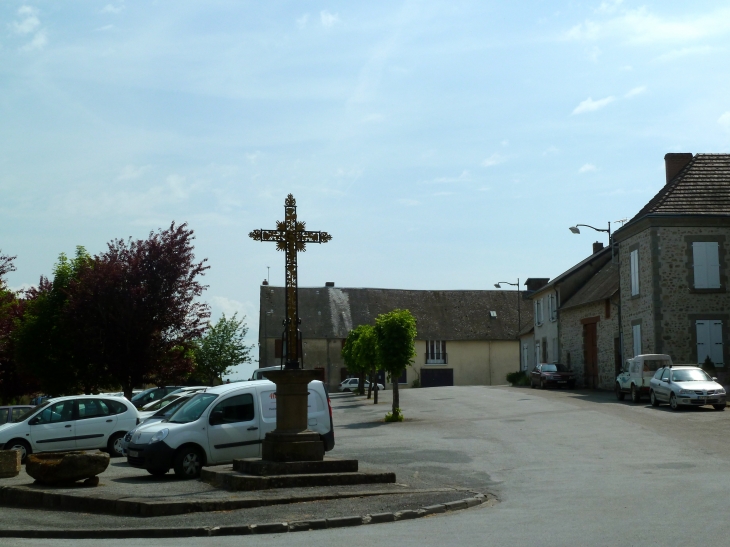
(599, 287)
(329, 312)
(602, 254)
(701, 188)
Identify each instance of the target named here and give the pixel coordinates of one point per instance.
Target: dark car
(9, 414)
(552, 374)
(152, 394)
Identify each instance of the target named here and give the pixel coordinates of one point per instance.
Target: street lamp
(519, 321)
(575, 230)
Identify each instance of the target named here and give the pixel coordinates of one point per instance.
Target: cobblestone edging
(265, 528)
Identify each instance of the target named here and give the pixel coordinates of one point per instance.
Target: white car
(350, 384)
(219, 425)
(80, 422)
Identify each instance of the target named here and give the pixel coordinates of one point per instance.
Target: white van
(637, 373)
(219, 425)
(258, 374)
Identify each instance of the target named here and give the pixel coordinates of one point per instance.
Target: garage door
(435, 377)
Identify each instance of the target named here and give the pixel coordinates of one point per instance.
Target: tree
(137, 309)
(222, 348)
(396, 334)
(46, 344)
(360, 354)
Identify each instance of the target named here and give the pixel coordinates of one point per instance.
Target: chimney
(597, 246)
(674, 163)
(329, 284)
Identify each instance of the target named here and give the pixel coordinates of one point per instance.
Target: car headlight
(720, 391)
(160, 435)
(684, 392)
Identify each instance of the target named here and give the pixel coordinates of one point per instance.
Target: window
(544, 356)
(59, 412)
(635, 272)
(538, 311)
(91, 408)
(552, 308)
(4, 415)
(17, 413)
(555, 358)
(537, 353)
(709, 341)
(665, 374)
(636, 333)
(436, 352)
(235, 409)
(403, 379)
(706, 264)
(525, 356)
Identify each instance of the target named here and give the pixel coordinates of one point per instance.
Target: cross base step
(235, 481)
(255, 466)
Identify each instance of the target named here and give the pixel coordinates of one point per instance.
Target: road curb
(250, 529)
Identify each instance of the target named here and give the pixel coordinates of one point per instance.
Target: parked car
(258, 374)
(636, 375)
(152, 394)
(350, 384)
(219, 425)
(552, 374)
(9, 414)
(154, 406)
(686, 385)
(163, 413)
(80, 422)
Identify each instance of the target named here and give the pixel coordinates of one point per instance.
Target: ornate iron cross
(291, 237)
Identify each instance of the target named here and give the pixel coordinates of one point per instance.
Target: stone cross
(291, 237)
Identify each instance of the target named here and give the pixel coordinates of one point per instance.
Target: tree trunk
(375, 397)
(361, 384)
(128, 391)
(396, 395)
(370, 387)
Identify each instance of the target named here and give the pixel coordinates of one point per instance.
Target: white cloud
(39, 41)
(104, 28)
(609, 7)
(636, 91)
(465, 176)
(130, 172)
(29, 21)
(724, 120)
(109, 8)
(373, 118)
(551, 150)
(437, 194)
(229, 306)
(587, 168)
(640, 26)
(589, 105)
(409, 202)
(303, 20)
(685, 52)
(494, 159)
(627, 68)
(505, 142)
(328, 19)
(253, 157)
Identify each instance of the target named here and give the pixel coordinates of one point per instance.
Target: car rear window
(652, 365)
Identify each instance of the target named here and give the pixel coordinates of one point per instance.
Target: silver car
(686, 385)
(162, 414)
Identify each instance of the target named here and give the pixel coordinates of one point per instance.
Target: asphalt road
(569, 468)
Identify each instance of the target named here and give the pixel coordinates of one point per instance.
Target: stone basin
(9, 463)
(66, 467)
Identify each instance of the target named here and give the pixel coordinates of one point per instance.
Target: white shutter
(716, 353)
(713, 264)
(537, 352)
(703, 341)
(636, 332)
(634, 272)
(699, 258)
(542, 318)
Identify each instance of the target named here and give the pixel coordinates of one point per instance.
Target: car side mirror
(216, 418)
(34, 421)
(714, 378)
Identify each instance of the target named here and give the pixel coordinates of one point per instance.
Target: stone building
(674, 265)
(464, 337)
(547, 302)
(589, 333)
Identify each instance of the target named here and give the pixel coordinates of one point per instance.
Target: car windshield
(690, 375)
(27, 414)
(140, 395)
(168, 410)
(554, 368)
(193, 409)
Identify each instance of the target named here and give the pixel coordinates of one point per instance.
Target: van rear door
(233, 428)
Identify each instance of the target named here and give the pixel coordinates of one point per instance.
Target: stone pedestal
(9, 463)
(291, 441)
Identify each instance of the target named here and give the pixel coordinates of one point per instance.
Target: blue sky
(444, 145)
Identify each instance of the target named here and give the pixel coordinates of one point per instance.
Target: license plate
(133, 453)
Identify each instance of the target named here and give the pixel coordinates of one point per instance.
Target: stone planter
(66, 467)
(9, 463)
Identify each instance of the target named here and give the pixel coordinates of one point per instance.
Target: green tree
(396, 335)
(222, 348)
(360, 354)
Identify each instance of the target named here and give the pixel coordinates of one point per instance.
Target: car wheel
(20, 445)
(635, 395)
(114, 446)
(157, 472)
(673, 402)
(718, 407)
(188, 463)
(653, 399)
(620, 395)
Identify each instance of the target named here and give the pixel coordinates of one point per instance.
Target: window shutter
(634, 272)
(699, 257)
(713, 264)
(703, 341)
(541, 313)
(716, 343)
(636, 332)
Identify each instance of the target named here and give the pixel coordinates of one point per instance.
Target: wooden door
(590, 355)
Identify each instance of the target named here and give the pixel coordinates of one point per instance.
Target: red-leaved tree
(136, 308)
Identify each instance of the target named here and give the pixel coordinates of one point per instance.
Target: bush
(416, 382)
(519, 378)
(396, 416)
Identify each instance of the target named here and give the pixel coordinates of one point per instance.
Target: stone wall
(571, 341)
(639, 308)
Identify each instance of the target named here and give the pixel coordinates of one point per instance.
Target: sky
(444, 145)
